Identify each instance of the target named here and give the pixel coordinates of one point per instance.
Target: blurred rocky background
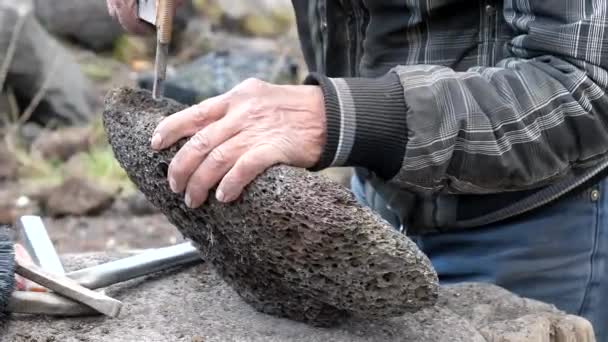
(57, 61)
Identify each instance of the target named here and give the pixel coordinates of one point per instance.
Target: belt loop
(446, 211)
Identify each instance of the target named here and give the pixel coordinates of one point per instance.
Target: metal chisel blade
(148, 262)
(146, 11)
(71, 289)
(47, 304)
(160, 70)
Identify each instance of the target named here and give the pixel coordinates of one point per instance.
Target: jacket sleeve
(529, 120)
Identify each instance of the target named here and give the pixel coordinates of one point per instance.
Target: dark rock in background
(135, 204)
(295, 245)
(268, 18)
(29, 132)
(217, 72)
(76, 197)
(62, 144)
(15, 201)
(5, 105)
(40, 62)
(87, 22)
(8, 163)
(139, 205)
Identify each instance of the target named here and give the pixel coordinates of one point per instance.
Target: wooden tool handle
(165, 12)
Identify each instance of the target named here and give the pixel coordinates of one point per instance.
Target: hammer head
(146, 11)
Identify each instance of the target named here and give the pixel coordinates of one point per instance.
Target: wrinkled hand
(126, 13)
(238, 135)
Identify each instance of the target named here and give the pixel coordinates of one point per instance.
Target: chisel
(160, 14)
(71, 289)
(145, 263)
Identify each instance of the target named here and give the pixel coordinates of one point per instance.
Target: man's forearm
(366, 122)
(516, 126)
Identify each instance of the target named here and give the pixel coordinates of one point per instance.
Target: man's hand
(126, 13)
(238, 135)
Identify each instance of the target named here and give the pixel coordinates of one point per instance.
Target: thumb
(126, 12)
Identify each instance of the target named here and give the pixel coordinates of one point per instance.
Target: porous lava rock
(295, 244)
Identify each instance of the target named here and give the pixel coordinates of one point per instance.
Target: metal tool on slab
(38, 244)
(160, 14)
(41, 303)
(71, 289)
(47, 270)
(110, 273)
(40, 247)
(142, 264)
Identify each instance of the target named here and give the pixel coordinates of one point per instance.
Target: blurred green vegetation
(97, 164)
(97, 71)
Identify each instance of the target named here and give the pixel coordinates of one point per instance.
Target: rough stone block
(295, 245)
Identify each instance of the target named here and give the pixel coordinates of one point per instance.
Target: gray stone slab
(194, 304)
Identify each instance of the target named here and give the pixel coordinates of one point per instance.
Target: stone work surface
(295, 245)
(193, 304)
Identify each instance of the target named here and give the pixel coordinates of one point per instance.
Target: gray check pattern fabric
(471, 97)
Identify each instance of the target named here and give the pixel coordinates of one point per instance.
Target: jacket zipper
(487, 32)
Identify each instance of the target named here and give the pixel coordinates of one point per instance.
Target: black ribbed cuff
(366, 123)
(332, 115)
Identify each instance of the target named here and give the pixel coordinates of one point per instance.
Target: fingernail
(157, 141)
(173, 184)
(220, 196)
(188, 201)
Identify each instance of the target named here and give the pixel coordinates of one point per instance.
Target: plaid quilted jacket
(469, 99)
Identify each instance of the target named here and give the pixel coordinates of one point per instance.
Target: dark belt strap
(428, 214)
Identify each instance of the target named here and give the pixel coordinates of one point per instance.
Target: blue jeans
(557, 254)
